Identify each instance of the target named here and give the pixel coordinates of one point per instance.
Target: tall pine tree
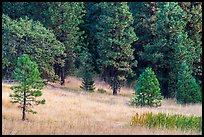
(90, 28)
(65, 19)
(144, 14)
(115, 36)
(170, 34)
(194, 28)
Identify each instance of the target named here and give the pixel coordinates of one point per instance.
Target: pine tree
(169, 35)
(194, 28)
(65, 18)
(90, 27)
(15, 10)
(188, 90)
(147, 89)
(31, 84)
(144, 14)
(86, 71)
(115, 36)
(25, 36)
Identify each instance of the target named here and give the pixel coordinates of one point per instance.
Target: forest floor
(68, 110)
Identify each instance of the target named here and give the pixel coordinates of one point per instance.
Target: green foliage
(169, 38)
(169, 33)
(144, 15)
(115, 36)
(31, 84)
(86, 71)
(194, 28)
(147, 90)
(169, 121)
(100, 90)
(65, 18)
(90, 28)
(25, 36)
(188, 90)
(88, 85)
(15, 10)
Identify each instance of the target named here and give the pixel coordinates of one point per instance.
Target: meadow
(68, 110)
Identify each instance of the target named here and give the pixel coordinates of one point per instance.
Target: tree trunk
(63, 41)
(62, 76)
(86, 84)
(114, 86)
(24, 107)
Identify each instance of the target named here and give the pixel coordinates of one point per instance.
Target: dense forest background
(115, 41)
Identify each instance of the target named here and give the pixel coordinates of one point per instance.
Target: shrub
(170, 121)
(100, 90)
(147, 90)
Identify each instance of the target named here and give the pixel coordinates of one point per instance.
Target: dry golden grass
(69, 112)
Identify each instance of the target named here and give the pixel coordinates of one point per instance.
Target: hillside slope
(75, 112)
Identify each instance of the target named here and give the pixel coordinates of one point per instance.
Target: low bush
(169, 121)
(100, 90)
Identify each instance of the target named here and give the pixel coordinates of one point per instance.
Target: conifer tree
(194, 28)
(90, 27)
(188, 90)
(86, 71)
(147, 89)
(31, 84)
(144, 14)
(115, 36)
(65, 18)
(170, 35)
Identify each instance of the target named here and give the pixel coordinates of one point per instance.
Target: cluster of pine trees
(115, 41)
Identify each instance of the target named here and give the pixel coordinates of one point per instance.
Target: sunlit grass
(77, 112)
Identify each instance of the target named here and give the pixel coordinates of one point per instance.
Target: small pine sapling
(86, 71)
(30, 87)
(147, 90)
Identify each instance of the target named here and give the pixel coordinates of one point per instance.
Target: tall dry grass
(69, 112)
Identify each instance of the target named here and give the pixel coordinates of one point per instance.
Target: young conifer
(147, 89)
(30, 85)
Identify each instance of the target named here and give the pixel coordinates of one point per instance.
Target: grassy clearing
(70, 112)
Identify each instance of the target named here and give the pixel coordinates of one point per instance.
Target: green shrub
(147, 90)
(169, 121)
(100, 90)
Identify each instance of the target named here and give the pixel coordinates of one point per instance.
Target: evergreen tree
(194, 28)
(86, 71)
(65, 18)
(15, 10)
(115, 36)
(90, 27)
(169, 35)
(147, 89)
(31, 84)
(144, 14)
(24, 36)
(188, 90)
